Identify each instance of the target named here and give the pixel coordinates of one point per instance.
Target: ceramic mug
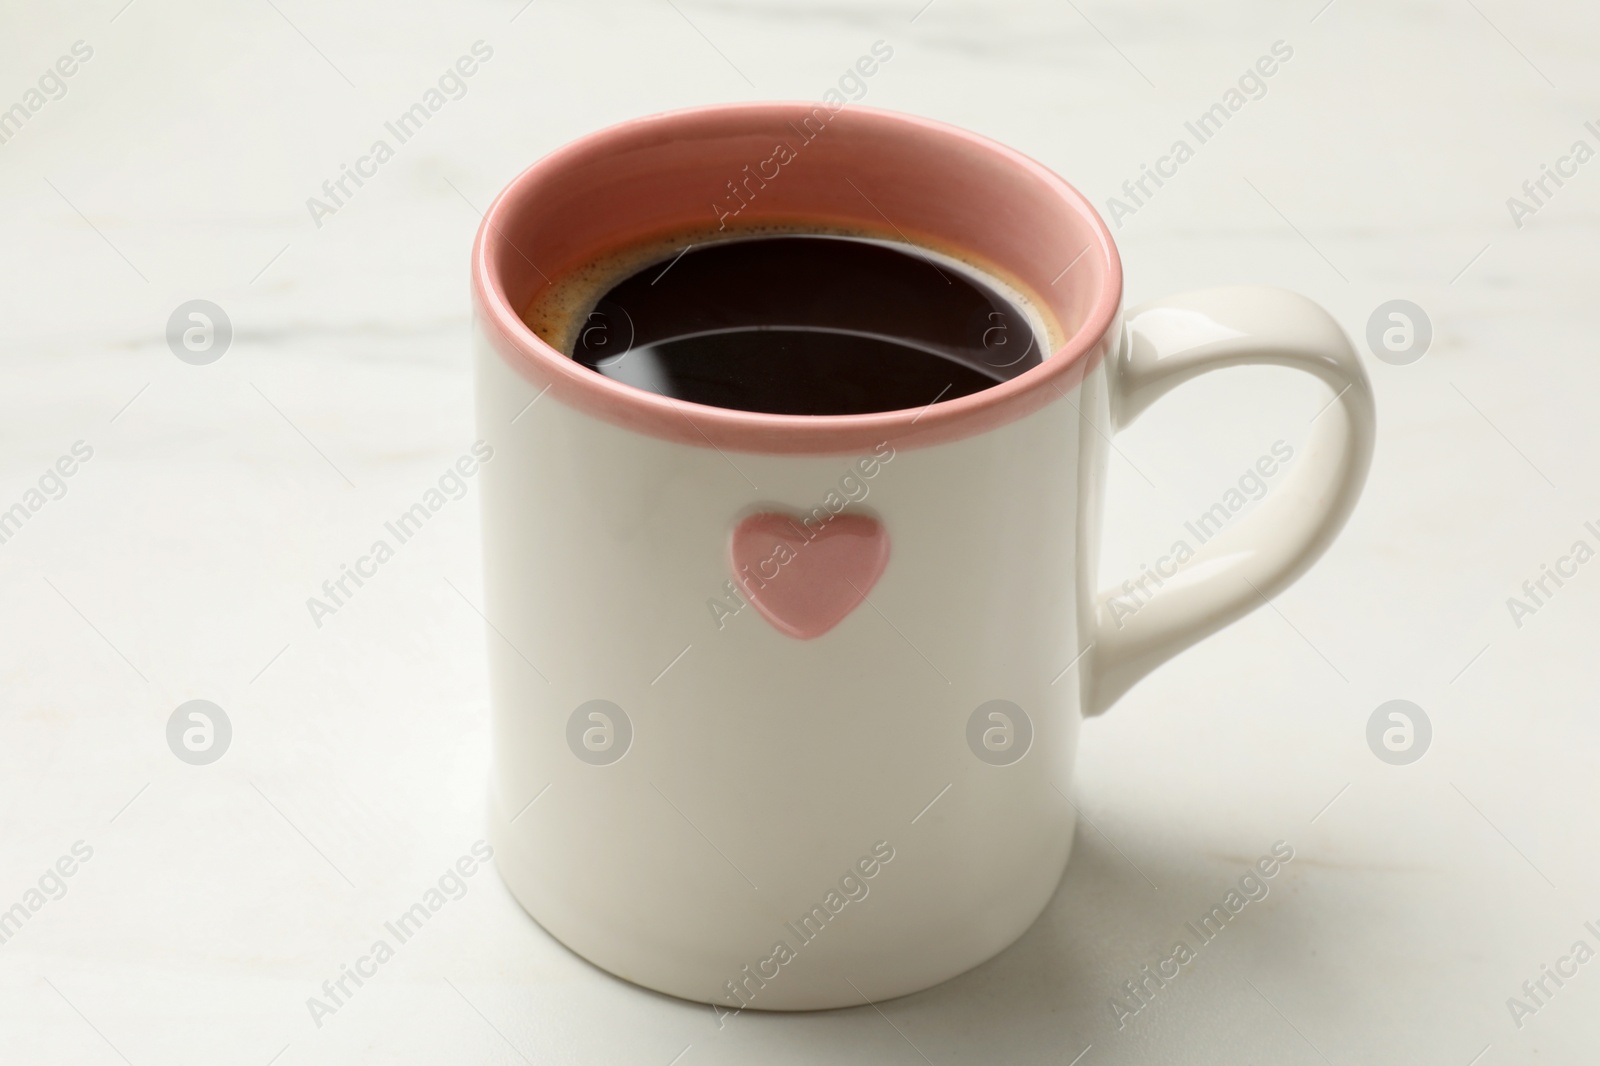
(785, 707)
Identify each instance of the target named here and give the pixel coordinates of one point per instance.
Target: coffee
(808, 324)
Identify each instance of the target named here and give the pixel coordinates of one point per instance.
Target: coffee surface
(802, 324)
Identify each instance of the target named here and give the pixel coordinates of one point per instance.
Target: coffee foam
(558, 309)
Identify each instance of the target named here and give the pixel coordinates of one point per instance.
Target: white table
(218, 898)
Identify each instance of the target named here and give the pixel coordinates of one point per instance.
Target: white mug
(785, 707)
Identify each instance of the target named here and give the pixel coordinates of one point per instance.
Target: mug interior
(779, 164)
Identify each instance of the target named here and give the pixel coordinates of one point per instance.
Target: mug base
(694, 977)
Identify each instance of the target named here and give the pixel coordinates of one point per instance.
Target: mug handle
(1168, 342)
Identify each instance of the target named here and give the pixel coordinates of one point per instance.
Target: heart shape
(806, 576)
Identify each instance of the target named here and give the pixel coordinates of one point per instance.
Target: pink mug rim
(756, 432)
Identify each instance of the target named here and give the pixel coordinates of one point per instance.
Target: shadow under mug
(794, 796)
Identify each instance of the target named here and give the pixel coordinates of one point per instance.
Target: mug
(785, 707)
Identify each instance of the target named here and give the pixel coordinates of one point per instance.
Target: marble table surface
(207, 903)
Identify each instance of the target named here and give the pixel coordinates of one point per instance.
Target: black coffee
(808, 325)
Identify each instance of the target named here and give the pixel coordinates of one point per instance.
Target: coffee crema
(801, 324)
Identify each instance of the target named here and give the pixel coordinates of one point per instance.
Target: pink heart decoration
(807, 578)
